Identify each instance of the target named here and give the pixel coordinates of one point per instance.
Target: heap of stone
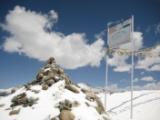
(50, 74)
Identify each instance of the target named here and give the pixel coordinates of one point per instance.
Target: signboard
(119, 34)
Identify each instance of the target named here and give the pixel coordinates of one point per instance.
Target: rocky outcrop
(22, 99)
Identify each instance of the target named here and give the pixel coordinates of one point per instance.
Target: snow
(146, 105)
(46, 106)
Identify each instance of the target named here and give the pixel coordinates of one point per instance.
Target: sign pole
(132, 69)
(106, 77)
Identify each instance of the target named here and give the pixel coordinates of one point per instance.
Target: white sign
(119, 34)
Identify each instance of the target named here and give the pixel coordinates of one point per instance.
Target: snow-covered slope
(146, 105)
(55, 98)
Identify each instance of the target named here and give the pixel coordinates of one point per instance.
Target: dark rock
(13, 91)
(51, 60)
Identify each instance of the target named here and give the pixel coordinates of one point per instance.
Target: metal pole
(106, 77)
(106, 81)
(132, 71)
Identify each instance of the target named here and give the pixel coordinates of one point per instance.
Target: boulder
(65, 105)
(51, 60)
(72, 88)
(100, 108)
(14, 112)
(66, 115)
(44, 86)
(91, 96)
(22, 99)
(13, 91)
(50, 82)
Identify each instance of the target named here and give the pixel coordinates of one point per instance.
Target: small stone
(2, 105)
(75, 104)
(91, 96)
(35, 91)
(44, 86)
(66, 115)
(14, 112)
(13, 91)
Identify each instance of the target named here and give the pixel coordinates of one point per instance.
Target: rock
(75, 104)
(84, 90)
(87, 104)
(2, 105)
(35, 91)
(65, 105)
(27, 87)
(14, 112)
(50, 82)
(91, 96)
(13, 91)
(72, 88)
(39, 76)
(66, 115)
(100, 108)
(22, 99)
(60, 71)
(44, 86)
(51, 60)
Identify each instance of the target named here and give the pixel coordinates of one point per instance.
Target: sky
(75, 33)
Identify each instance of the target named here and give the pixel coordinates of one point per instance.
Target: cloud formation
(150, 62)
(31, 34)
(147, 79)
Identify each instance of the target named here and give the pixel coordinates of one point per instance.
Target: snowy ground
(146, 105)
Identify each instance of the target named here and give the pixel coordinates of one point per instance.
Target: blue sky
(88, 17)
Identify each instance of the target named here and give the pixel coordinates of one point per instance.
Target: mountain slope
(51, 96)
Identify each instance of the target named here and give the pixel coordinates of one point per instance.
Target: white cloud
(147, 79)
(32, 35)
(152, 86)
(150, 62)
(155, 68)
(119, 62)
